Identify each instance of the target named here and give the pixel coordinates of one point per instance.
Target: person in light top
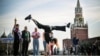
(55, 46)
(35, 36)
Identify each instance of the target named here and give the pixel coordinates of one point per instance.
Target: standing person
(17, 38)
(44, 43)
(55, 47)
(36, 36)
(26, 41)
(75, 44)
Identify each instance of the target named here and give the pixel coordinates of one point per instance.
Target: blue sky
(50, 12)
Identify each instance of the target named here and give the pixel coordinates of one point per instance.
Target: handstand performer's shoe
(68, 25)
(28, 17)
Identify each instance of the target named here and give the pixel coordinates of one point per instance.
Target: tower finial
(15, 21)
(78, 3)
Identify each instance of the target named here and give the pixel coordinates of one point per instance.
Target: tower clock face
(80, 19)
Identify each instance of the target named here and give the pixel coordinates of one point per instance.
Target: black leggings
(48, 28)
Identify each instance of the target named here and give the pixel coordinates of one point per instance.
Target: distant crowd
(83, 49)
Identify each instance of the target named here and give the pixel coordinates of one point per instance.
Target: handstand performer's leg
(46, 27)
(39, 25)
(61, 28)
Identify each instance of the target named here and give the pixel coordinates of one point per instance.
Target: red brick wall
(67, 43)
(82, 34)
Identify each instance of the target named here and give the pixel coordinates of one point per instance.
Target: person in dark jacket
(17, 38)
(75, 44)
(26, 41)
